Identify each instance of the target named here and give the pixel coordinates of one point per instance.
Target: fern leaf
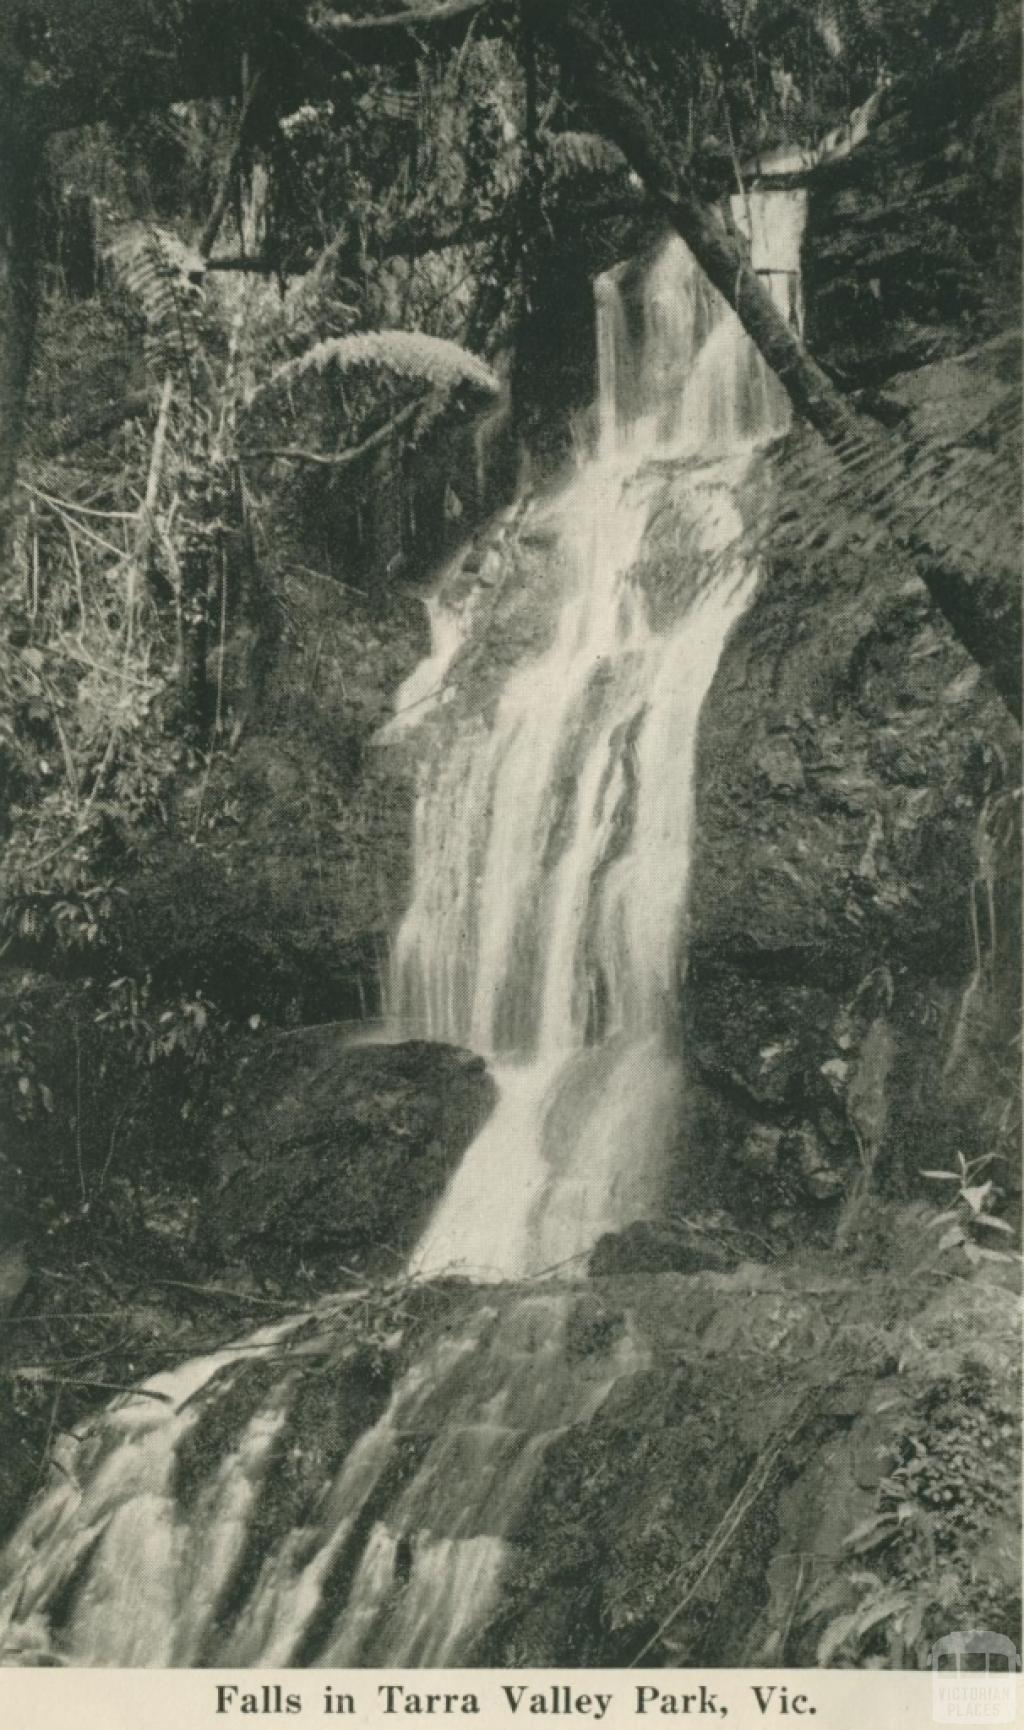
(431, 362)
(162, 274)
(960, 492)
(836, 1635)
(575, 155)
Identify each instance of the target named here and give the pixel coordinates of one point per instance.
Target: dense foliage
(288, 310)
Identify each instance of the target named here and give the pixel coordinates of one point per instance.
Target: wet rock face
(333, 1154)
(704, 1515)
(851, 933)
(912, 242)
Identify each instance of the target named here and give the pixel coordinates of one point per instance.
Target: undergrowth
(921, 1563)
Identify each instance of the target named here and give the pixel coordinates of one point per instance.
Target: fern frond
(575, 155)
(960, 492)
(163, 275)
(412, 357)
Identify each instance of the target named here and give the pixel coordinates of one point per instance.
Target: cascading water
(552, 842)
(550, 867)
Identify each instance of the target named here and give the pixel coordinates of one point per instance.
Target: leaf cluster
(911, 1568)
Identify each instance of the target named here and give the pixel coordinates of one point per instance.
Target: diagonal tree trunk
(977, 604)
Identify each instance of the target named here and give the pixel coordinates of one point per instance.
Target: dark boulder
(655, 1246)
(332, 1154)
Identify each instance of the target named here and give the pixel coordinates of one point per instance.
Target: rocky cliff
(850, 984)
(851, 993)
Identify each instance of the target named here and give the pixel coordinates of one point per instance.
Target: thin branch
(72, 526)
(372, 36)
(337, 459)
(108, 1387)
(82, 1357)
(118, 1120)
(211, 227)
(157, 455)
(64, 1316)
(741, 185)
(146, 515)
(749, 1493)
(78, 1116)
(220, 1292)
(71, 505)
(408, 242)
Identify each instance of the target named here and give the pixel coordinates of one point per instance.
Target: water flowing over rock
(552, 843)
(552, 836)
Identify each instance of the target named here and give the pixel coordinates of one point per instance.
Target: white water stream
(552, 849)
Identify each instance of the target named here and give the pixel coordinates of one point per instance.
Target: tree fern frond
(571, 155)
(960, 492)
(408, 356)
(163, 275)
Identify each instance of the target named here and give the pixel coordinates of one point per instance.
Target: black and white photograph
(510, 796)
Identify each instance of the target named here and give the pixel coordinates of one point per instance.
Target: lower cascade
(552, 841)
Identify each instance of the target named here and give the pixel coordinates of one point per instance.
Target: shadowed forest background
(297, 308)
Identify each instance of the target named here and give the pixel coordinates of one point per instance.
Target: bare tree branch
(338, 459)
(371, 38)
(211, 229)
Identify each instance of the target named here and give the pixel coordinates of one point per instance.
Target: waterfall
(551, 849)
(552, 846)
